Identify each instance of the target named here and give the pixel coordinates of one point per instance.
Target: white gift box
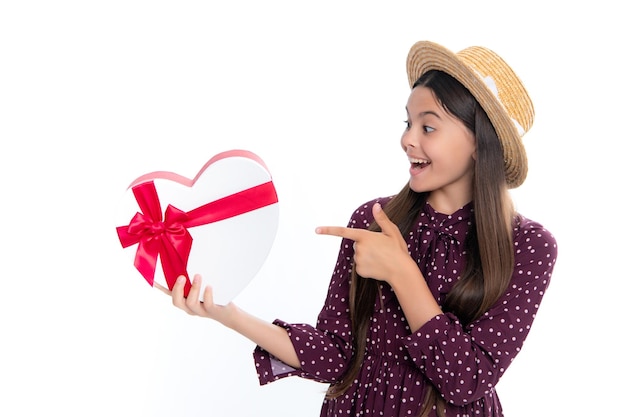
(220, 224)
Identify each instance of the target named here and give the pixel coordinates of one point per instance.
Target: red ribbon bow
(167, 236)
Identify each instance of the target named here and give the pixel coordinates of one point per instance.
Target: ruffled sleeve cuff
(316, 352)
(437, 329)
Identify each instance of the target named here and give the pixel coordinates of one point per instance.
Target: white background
(96, 93)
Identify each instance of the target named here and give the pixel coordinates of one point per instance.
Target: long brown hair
(489, 245)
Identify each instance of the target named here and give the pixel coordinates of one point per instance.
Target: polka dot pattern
(464, 363)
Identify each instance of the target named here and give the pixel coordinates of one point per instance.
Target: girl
(435, 288)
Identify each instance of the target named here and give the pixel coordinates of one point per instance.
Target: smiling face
(441, 150)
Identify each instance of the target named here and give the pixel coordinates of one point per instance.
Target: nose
(409, 139)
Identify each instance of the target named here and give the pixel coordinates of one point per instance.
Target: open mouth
(417, 163)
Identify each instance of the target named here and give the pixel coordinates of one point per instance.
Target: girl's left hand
(379, 255)
(192, 305)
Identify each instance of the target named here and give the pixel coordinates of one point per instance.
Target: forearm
(272, 338)
(417, 302)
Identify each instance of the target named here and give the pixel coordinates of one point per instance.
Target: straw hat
(496, 87)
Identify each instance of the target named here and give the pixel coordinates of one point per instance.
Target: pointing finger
(345, 232)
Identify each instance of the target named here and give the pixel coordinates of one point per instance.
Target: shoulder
(362, 216)
(533, 240)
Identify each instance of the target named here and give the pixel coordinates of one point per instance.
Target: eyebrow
(425, 113)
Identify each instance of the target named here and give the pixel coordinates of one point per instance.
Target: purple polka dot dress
(464, 363)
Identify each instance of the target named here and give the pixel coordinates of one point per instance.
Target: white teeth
(418, 161)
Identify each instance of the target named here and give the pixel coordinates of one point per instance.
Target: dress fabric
(464, 363)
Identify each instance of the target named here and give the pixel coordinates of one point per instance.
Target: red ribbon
(168, 236)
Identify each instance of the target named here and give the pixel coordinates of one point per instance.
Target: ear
(475, 145)
(475, 153)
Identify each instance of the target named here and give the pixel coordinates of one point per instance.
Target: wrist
(406, 270)
(228, 315)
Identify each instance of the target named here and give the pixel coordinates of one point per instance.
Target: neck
(447, 204)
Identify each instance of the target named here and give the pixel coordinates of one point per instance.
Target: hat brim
(425, 56)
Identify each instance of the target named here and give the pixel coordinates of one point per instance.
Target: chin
(418, 188)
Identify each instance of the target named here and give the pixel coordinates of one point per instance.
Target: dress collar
(431, 218)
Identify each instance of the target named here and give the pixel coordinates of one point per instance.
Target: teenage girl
(435, 288)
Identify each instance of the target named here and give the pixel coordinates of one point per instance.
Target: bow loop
(168, 239)
(138, 226)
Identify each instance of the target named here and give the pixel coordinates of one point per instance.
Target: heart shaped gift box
(220, 224)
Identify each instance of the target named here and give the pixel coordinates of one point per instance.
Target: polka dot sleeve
(466, 363)
(325, 350)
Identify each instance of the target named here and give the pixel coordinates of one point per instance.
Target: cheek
(466, 158)
(461, 157)
(467, 147)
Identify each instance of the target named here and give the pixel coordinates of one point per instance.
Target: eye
(408, 124)
(428, 129)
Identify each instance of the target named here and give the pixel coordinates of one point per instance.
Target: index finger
(345, 232)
